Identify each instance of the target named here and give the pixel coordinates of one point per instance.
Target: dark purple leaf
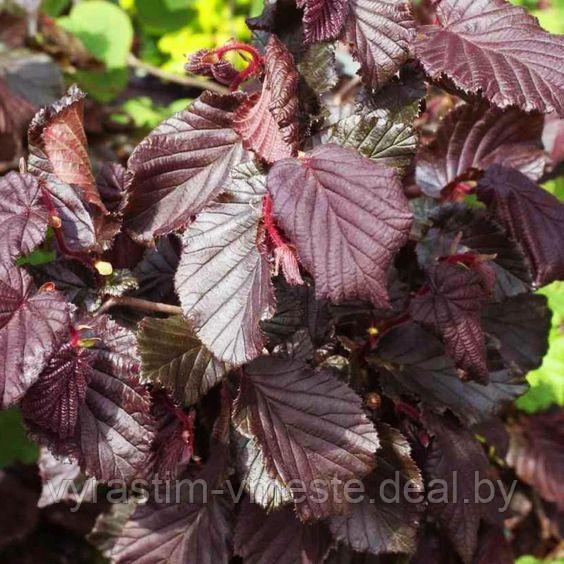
(450, 303)
(58, 145)
(310, 426)
(205, 63)
(380, 32)
(475, 232)
(182, 166)
(531, 215)
(376, 525)
(536, 451)
(268, 122)
(470, 44)
(32, 323)
(472, 137)
(279, 537)
(111, 186)
(323, 19)
(175, 533)
(174, 357)
(23, 216)
(52, 404)
(456, 455)
(519, 327)
(155, 273)
(348, 217)
(223, 281)
(416, 365)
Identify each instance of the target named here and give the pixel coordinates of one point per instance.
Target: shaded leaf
(469, 44)
(475, 137)
(376, 525)
(58, 145)
(310, 426)
(182, 166)
(520, 327)
(532, 216)
(279, 537)
(268, 123)
(318, 67)
(348, 217)
(323, 19)
(537, 454)
(53, 402)
(223, 281)
(173, 356)
(380, 32)
(111, 187)
(32, 323)
(23, 216)
(450, 303)
(416, 364)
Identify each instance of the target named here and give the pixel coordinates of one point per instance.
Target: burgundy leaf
(23, 216)
(52, 404)
(310, 426)
(456, 455)
(205, 63)
(182, 166)
(174, 357)
(451, 303)
(111, 186)
(32, 323)
(268, 123)
(375, 525)
(348, 217)
(531, 215)
(536, 452)
(476, 136)
(175, 533)
(223, 281)
(520, 327)
(492, 48)
(58, 145)
(323, 19)
(279, 537)
(416, 365)
(380, 32)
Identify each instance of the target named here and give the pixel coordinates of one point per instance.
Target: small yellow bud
(103, 267)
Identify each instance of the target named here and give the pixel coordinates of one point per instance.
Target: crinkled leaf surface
(310, 426)
(58, 145)
(323, 19)
(450, 303)
(182, 165)
(32, 323)
(53, 402)
(477, 233)
(536, 453)
(532, 216)
(375, 525)
(318, 67)
(111, 187)
(520, 327)
(347, 216)
(476, 136)
(268, 124)
(279, 537)
(23, 216)
(380, 32)
(416, 365)
(175, 533)
(492, 48)
(223, 281)
(173, 356)
(455, 452)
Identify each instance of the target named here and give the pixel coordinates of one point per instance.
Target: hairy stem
(138, 303)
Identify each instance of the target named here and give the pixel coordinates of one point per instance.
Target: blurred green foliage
(13, 439)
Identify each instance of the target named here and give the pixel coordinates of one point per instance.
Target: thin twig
(138, 303)
(188, 81)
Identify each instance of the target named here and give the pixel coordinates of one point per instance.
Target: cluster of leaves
(337, 294)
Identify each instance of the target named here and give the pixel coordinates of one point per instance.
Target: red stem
(270, 224)
(254, 66)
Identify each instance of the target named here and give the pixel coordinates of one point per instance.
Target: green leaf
(145, 113)
(103, 86)
(104, 29)
(555, 187)
(38, 257)
(547, 381)
(54, 8)
(14, 444)
(156, 17)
